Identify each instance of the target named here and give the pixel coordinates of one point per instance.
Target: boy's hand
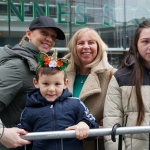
(82, 130)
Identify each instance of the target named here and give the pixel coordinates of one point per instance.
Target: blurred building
(114, 20)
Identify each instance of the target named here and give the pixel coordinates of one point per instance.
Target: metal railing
(116, 130)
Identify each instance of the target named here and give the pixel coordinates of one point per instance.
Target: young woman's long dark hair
(138, 70)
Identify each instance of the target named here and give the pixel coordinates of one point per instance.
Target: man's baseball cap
(47, 22)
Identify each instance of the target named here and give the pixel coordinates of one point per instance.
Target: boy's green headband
(51, 61)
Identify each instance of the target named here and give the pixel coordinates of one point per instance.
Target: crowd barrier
(116, 130)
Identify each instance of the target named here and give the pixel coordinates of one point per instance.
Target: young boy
(51, 107)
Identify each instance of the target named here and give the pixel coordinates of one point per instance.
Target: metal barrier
(116, 130)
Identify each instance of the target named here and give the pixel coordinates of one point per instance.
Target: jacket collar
(34, 98)
(92, 84)
(28, 52)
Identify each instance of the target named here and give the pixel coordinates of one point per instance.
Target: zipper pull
(51, 106)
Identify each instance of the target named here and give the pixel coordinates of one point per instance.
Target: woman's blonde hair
(74, 61)
(24, 38)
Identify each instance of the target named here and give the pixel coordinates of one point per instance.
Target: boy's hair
(49, 71)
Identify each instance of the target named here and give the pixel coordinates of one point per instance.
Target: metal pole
(149, 141)
(92, 133)
(64, 134)
(124, 27)
(9, 13)
(70, 20)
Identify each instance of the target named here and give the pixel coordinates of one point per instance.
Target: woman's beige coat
(94, 89)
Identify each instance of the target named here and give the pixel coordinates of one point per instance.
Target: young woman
(127, 101)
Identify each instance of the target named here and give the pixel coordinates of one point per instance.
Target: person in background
(89, 73)
(127, 100)
(18, 64)
(51, 107)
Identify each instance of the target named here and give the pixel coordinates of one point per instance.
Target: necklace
(82, 81)
(82, 78)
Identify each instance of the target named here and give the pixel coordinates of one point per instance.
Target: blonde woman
(89, 73)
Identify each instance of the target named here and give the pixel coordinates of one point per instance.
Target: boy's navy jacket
(40, 115)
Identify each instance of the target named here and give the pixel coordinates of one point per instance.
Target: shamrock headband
(51, 61)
